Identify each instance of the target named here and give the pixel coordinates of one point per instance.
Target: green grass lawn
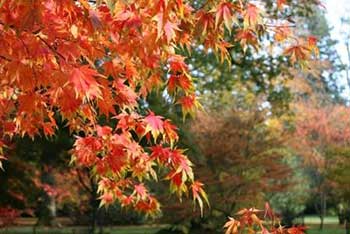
(327, 231)
(330, 227)
(316, 220)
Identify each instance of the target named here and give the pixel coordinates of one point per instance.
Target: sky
(335, 9)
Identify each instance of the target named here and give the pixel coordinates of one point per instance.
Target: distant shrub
(8, 216)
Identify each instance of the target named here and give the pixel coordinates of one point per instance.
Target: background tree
(318, 130)
(241, 158)
(338, 174)
(291, 203)
(346, 38)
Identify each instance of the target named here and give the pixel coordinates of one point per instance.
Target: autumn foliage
(259, 221)
(242, 157)
(89, 63)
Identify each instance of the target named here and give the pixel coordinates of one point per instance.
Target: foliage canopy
(93, 64)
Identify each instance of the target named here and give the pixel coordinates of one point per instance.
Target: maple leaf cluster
(259, 221)
(85, 60)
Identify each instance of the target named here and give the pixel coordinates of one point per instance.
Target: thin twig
(51, 47)
(5, 58)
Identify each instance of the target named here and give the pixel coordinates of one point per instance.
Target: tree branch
(83, 183)
(51, 47)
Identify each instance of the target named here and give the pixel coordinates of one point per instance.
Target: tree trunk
(323, 209)
(94, 206)
(91, 187)
(51, 206)
(347, 219)
(321, 223)
(95, 213)
(46, 209)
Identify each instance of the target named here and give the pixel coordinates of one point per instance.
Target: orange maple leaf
(84, 82)
(169, 29)
(281, 3)
(251, 16)
(224, 13)
(298, 52)
(154, 124)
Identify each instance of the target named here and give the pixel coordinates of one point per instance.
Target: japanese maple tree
(85, 61)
